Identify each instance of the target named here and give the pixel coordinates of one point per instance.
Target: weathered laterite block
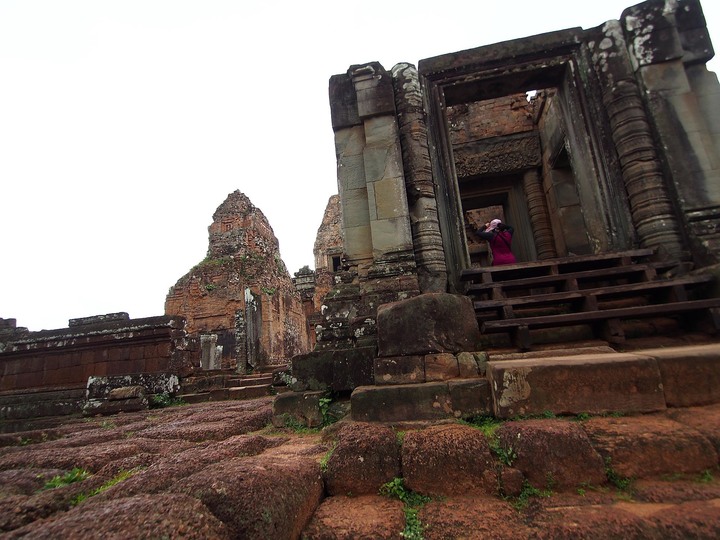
(690, 375)
(576, 384)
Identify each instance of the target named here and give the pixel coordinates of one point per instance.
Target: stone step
(249, 381)
(248, 392)
(644, 380)
(200, 397)
(201, 383)
(641, 381)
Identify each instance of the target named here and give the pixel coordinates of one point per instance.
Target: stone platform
(558, 382)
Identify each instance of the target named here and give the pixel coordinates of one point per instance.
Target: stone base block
(428, 323)
(36, 404)
(576, 384)
(458, 398)
(441, 367)
(400, 370)
(470, 397)
(94, 407)
(428, 401)
(301, 408)
(690, 375)
(339, 370)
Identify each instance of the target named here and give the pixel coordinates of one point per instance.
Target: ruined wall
(94, 346)
(242, 291)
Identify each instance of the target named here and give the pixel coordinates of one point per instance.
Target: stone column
(376, 221)
(240, 342)
(539, 215)
(651, 206)
(427, 240)
(669, 46)
(207, 351)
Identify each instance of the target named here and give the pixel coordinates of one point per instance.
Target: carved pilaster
(425, 226)
(652, 211)
(539, 215)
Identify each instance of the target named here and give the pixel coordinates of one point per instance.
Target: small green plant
(294, 424)
(400, 437)
(75, 475)
(623, 483)
(413, 526)
(706, 476)
(548, 415)
(395, 489)
(268, 290)
(119, 477)
(582, 417)
(24, 441)
(327, 418)
(107, 424)
(210, 287)
(208, 261)
(489, 426)
(326, 458)
(528, 492)
(160, 401)
(507, 456)
(550, 481)
(581, 491)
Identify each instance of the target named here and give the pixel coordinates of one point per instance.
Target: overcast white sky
(124, 124)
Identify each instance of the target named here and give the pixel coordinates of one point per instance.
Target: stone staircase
(221, 385)
(598, 295)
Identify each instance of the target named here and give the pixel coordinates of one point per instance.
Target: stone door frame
(550, 60)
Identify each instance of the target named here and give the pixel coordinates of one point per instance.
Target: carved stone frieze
(498, 155)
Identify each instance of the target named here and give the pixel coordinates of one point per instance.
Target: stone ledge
(613, 382)
(690, 375)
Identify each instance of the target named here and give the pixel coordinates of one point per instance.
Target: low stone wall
(95, 346)
(46, 373)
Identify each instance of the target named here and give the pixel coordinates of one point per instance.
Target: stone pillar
(379, 265)
(539, 215)
(253, 326)
(376, 222)
(669, 45)
(651, 206)
(208, 351)
(427, 240)
(240, 342)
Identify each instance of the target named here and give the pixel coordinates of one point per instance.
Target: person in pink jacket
(499, 237)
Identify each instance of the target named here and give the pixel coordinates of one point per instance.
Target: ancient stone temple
(314, 286)
(240, 303)
(601, 147)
